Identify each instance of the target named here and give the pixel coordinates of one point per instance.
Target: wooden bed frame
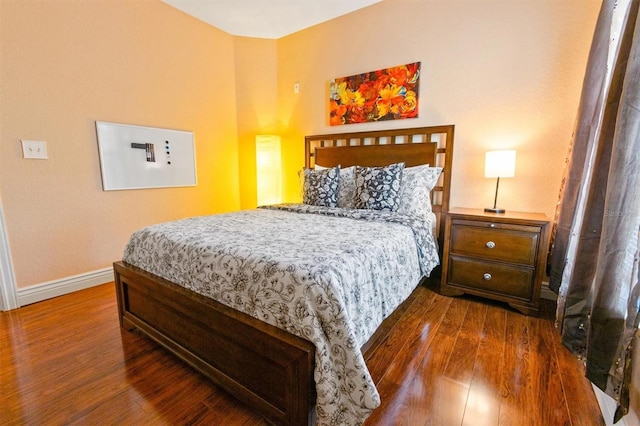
(270, 369)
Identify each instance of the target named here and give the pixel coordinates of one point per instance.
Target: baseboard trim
(55, 288)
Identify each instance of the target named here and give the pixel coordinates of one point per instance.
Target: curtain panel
(593, 262)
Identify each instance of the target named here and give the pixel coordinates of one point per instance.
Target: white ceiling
(267, 18)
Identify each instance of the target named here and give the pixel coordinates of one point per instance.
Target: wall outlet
(34, 149)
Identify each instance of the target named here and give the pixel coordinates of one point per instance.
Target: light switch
(34, 149)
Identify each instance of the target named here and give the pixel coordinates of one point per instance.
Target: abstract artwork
(386, 94)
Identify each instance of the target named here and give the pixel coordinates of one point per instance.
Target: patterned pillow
(378, 188)
(347, 186)
(417, 183)
(320, 187)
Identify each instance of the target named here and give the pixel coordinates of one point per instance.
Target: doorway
(8, 296)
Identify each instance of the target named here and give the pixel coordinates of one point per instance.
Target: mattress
(328, 275)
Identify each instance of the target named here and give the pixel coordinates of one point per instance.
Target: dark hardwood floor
(449, 361)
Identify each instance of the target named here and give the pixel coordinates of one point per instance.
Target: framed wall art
(385, 94)
(137, 157)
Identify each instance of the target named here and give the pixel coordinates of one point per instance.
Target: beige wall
(507, 73)
(66, 64)
(257, 99)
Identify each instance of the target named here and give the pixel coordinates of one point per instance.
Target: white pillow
(417, 183)
(346, 187)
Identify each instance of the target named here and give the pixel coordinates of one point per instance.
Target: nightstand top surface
(508, 215)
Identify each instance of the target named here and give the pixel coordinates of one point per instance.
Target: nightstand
(497, 256)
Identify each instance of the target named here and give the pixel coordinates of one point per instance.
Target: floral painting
(387, 94)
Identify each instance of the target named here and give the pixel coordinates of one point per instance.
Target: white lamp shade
(500, 164)
(268, 169)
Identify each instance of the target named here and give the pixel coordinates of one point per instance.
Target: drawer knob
(486, 276)
(490, 244)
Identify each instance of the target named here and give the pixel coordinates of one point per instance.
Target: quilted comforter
(328, 275)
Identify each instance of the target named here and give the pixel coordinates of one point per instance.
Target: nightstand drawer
(493, 277)
(509, 245)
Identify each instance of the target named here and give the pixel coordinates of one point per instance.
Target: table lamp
(499, 164)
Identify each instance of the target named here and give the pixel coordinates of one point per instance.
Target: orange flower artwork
(387, 94)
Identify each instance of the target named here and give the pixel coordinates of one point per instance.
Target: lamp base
(494, 210)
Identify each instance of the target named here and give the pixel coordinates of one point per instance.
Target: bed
(261, 358)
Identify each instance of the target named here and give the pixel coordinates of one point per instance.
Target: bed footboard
(265, 367)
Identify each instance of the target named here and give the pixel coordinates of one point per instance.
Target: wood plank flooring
(449, 361)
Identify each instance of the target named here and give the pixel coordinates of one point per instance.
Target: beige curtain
(593, 262)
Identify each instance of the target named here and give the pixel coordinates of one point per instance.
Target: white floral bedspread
(327, 275)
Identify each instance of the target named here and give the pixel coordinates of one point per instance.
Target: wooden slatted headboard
(414, 146)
